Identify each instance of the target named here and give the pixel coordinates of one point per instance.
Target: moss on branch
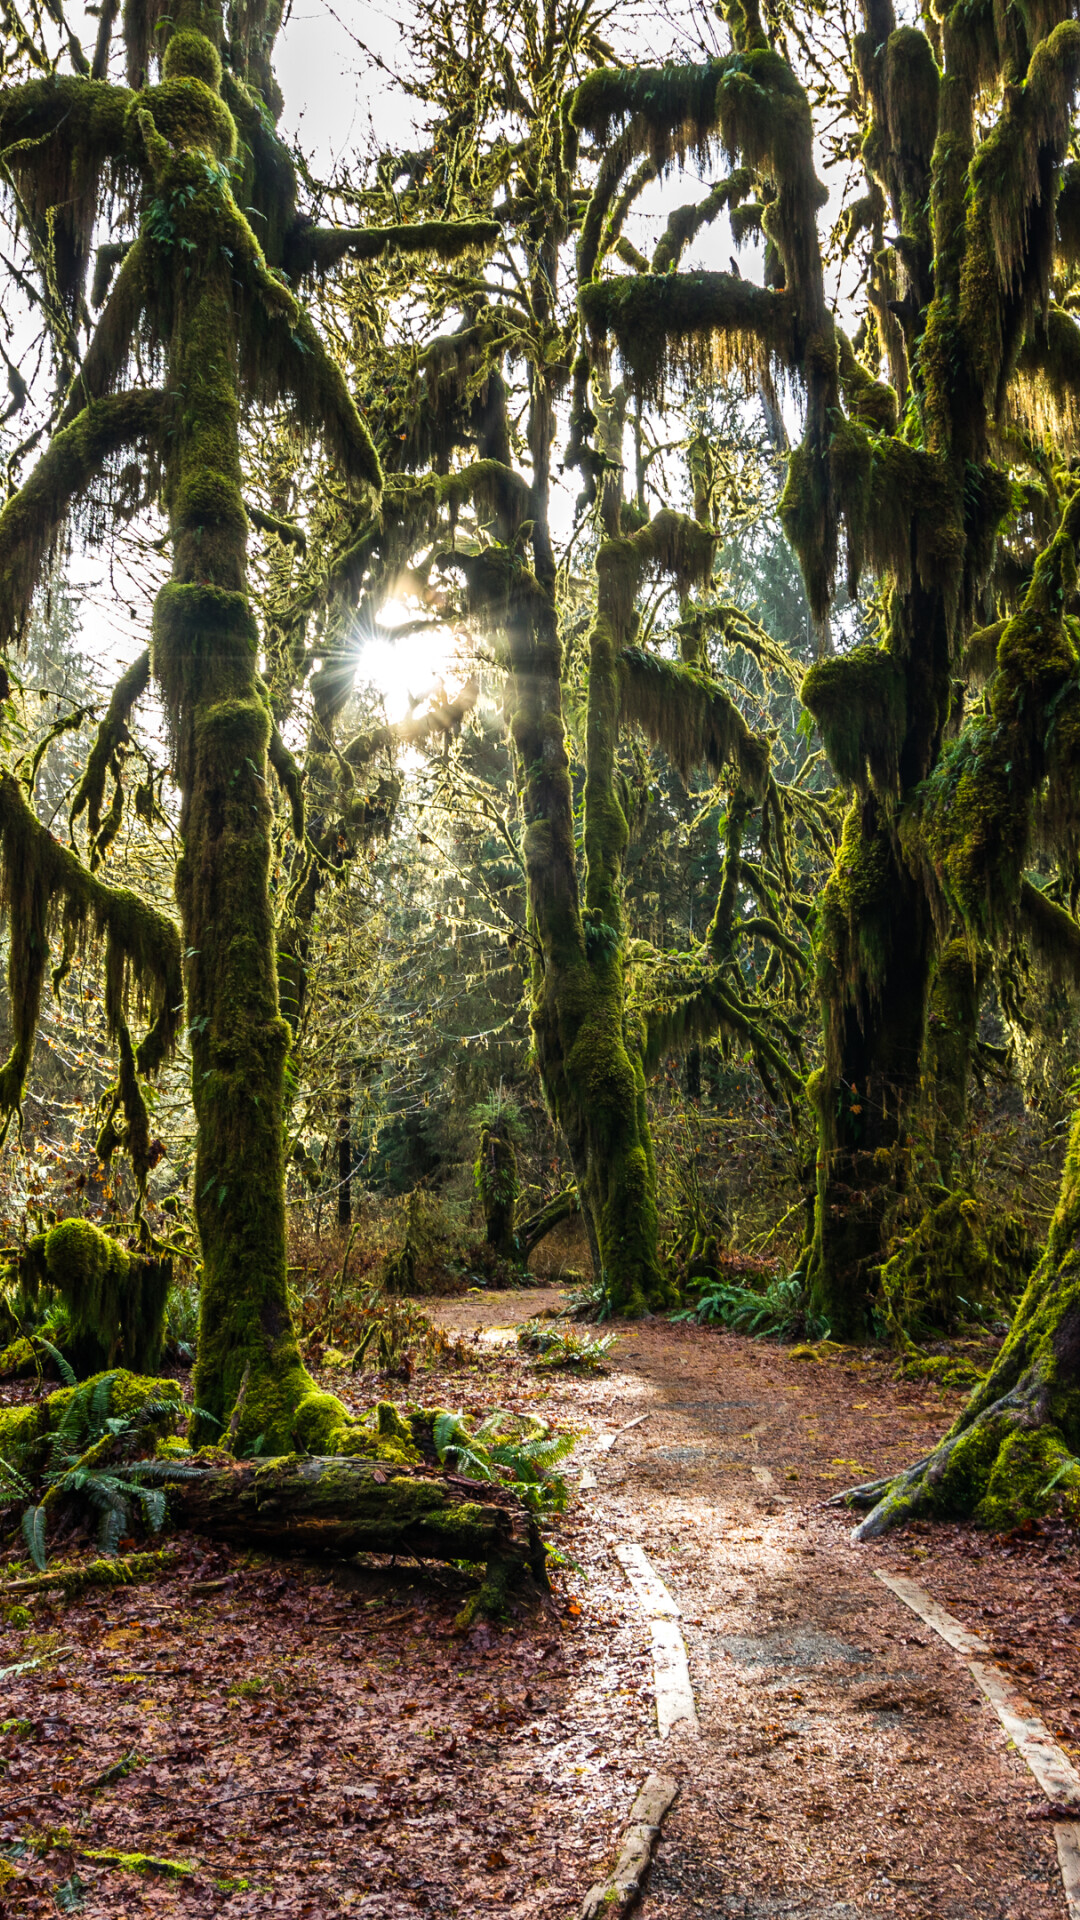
(42, 883)
(317, 249)
(33, 518)
(111, 734)
(698, 325)
(684, 711)
(859, 701)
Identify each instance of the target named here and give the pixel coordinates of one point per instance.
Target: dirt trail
(846, 1763)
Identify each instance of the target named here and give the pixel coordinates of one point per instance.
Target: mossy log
(345, 1505)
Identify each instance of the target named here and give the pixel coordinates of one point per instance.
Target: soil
(314, 1741)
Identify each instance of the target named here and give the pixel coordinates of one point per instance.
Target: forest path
(846, 1764)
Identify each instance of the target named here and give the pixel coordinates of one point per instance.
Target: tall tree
(482, 404)
(210, 307)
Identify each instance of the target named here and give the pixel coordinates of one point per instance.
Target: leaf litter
(311, 1740)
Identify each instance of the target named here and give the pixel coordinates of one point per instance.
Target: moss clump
(941, 1271)
(25, 1431)
(1018, 1487)
(946, 1370)
(115, 1299)
(859, 701)
(19, 1358)
(139, 1862)
(20, 1431)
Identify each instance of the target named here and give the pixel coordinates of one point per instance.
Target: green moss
(697, 325)
(20, 1431)
(686, 712)
(495, 1176)
(142, 957)
(20, 1358)
(1018, 1485)
(317, 249)
(139, 1862)
(945, 1369)
(941, 1270)
(32, 519)
(24, 1431)
(191, 56)
(115, 1300)
(859, 701)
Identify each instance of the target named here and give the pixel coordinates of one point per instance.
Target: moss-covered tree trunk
(497, 1183)
(205, 659)
(1020, 1431)
(875, 957)
(347, 1505)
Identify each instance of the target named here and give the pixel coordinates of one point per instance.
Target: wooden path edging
(1033, 1741)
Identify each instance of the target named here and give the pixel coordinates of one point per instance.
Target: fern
(556, 1346)
(110, 1532)
(33, 1528)
(63, 1367)
(20, 1486)
(517, 1450)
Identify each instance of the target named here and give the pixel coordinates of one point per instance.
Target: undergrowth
(563, 1346)
(515, 1449)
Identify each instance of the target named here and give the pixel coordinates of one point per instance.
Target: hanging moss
(1068, 214)
(316, 249)
(699, 325)
(859, 701)
(980, 654)
(672, 108)
(1044, 397)
(685, 223)
(40, 879)
(56, 134)
(684, 711)
(115, 1299)
(911, 81)
(111, 734)
(33, 518)
(972, 822)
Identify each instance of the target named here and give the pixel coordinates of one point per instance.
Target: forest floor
(311, 1741)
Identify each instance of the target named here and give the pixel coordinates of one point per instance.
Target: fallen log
(344, 1505)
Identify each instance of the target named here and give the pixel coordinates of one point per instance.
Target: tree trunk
(496, 1178)
(345, 1505)
(205, 660)
(1020, 1430)
(954, 1028)
(876, 952)
(344, 1148)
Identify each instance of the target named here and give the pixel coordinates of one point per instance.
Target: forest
(540, 891)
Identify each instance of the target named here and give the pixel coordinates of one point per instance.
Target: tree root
(997, 1469)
